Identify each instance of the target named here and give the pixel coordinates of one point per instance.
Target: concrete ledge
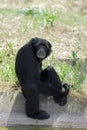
(73, 115)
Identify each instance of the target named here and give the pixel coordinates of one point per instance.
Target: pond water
(33, 128)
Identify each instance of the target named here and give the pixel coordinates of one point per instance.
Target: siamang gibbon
(34, 80)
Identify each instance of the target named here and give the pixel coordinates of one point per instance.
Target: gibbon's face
(42, 48)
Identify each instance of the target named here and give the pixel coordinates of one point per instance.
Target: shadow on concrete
(73, 114)
(17, 115)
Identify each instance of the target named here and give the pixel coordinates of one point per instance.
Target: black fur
(34, 80)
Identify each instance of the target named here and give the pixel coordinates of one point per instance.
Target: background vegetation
(63, 23)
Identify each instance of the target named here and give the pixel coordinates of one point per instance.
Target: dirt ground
(62, 36)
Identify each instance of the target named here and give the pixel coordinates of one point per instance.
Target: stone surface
(72, 115)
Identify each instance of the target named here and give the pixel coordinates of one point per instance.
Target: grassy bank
(64, 28)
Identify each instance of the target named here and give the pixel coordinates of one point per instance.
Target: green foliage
(73, 74)
(7, 59)
(9, 11)
(31, 11)
(63, 69)
(79, 73)
(43, 16)
(47, 17)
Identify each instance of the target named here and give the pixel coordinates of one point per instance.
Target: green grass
(7, 62)
(9, 11)
(41, 16)
(74, 74)
(47, 16)
(50, 16)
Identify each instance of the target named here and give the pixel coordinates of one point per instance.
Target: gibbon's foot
(60, 100)
(40, 115)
